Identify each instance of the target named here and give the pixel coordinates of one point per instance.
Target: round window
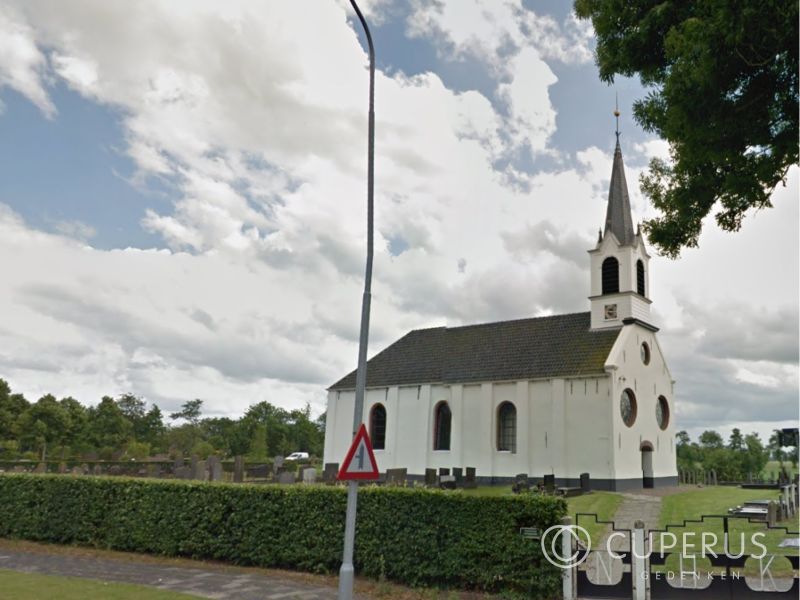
(645, 351)
(662, 412)
(627, 407)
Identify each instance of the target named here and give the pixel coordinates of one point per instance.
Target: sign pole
(346, 572)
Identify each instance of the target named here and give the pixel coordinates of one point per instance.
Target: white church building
(563, 395)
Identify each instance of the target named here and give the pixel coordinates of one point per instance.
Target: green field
(773, 468)
(25, 586)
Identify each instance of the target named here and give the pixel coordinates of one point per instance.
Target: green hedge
(412, 536)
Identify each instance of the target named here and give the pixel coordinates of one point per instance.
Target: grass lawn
(603, 504)
(694, 502)
(25, 586)
(713, 500)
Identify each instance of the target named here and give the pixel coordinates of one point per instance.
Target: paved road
(203, 582)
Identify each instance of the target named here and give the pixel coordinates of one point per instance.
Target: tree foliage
(723, 91)
(742, 455)
(125, 427)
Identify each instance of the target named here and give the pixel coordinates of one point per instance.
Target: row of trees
(126, 427)
(742, 455)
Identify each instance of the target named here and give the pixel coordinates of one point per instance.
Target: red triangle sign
(360, 463)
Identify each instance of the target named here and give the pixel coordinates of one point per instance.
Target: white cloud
(22, 64)
(257, 118)
(492, 30)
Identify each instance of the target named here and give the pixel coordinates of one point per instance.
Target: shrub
(411, 536)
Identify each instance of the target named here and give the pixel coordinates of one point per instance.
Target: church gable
(539, 348)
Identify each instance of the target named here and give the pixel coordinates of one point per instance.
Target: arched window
(441, 427)
(507, 427)
(610, 275)
(377, 427)
(640, 278)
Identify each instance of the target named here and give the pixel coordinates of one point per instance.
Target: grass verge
(27, 586)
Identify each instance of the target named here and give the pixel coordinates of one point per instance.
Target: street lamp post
(346, 572)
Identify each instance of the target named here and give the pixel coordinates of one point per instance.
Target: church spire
(618, 213)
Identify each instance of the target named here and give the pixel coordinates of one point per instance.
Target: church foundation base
(600, 485)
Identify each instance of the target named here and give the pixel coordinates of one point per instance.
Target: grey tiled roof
(557, 346)
(618, 212)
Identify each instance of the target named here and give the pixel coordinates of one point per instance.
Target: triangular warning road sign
(360, 461)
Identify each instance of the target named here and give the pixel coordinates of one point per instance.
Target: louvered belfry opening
(640, 278)
(610, 276)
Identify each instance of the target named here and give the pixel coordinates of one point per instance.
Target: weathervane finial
(616, 113)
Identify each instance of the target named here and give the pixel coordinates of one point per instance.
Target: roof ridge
(519, 320)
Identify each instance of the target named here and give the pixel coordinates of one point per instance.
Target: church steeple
(618, 212)
(620, 277)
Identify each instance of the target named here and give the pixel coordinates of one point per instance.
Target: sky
(183, 193)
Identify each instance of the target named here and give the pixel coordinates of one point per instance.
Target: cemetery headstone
(586, 484)
(330, 472)
(521, 483)
(458, 473)
(443, 471)
(62, 467)
(199, 472)
(215, 468)
(396, 476)
(286, 477)
(154, 470)
(259, 472)
(550, 483)
(430, 477)
(309, 475)
(41, 468)
(77, 471)
(447, 482)
(277, 464)
(238, 469)
(470, 480)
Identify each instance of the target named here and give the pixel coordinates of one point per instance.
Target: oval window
(645, 351)
(627, 407)
(662, 412)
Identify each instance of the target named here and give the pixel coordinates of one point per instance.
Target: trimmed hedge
(412, 536)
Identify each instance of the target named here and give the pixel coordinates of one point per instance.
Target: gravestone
(77, 471)
(199, 472)
(277, 464)
(309, 475)
(62, 467)
(447, 482)
(85, 469)
(396, 477)
(193, 462)
(586, 483)
(549, 483)
(521, 483)
(214, 468)
(259, 472)
(330, 472)
(443, 471)
(430, 477)
(238, 469)
(177, 465)
(154, 470)
(41, 468)
(183, 472)
(470, 481)
(458, 473)
(286, 477)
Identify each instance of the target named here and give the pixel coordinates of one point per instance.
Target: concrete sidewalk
(205, 582)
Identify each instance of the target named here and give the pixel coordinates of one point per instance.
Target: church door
(647, 467)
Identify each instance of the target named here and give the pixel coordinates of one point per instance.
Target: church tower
(620, 279)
